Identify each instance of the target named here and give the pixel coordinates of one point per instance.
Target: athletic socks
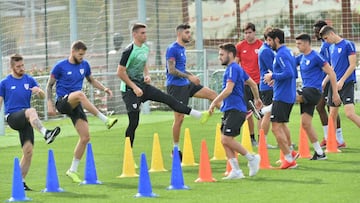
(102, 117)
(195, 113)
(74, 165)
(317, 148)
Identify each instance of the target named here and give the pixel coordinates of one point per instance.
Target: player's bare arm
(49, 87)
(121, 73)
(97, 84)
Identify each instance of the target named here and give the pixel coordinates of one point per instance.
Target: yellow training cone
(245, 139)
(128, 161)
(188, 153)
(219, 151)
(157, 163)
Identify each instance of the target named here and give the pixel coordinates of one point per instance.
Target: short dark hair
(266, 31)
(277, 33)
(326, 30)
(229, 47)
(137, 26)
(304, 37)
(15, 58)
(183, 26)
(249, 26)
(319, 24)
(78, 45)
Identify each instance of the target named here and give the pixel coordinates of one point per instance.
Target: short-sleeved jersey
(248, 56)
(265, 58)
(339, 56)
(324, 50)
(311, 69)
(177, 52)
(284, 74)
(69, 77)
(16, 92)
(134, 58)
(238, 76)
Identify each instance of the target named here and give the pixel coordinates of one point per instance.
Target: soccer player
(320, 107)
(247, 57)
(234, 109)
(69, 74)
(312, 66)
(135, 85)
(265, 61)
(16, 90)
(343, 60)
(181, 83)
(283, 78)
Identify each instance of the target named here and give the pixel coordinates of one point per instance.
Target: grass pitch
(334, 180)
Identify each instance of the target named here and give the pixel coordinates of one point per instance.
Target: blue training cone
(18, 192)
(90, 170)
(177, 179)
(52, 181)
(144, 187)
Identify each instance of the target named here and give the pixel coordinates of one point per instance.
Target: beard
(225, 62)
(76, 60)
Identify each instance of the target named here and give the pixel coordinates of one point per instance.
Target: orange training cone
(228, 168)
(331, 143)
(263, 152)
(245, 138)
(205, 174)
(128, 161)
(281, 159)
(303, 149)
(157, 163)
(219, 151)
(188, 153)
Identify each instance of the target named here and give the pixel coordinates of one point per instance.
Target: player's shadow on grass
(74, 196)
(333, 170)
(316, 181)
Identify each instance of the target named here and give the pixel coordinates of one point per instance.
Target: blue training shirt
(238, 76)
(69, 77)
(311, 69)
(17, 92)
(177, 52)
(265, 58)
(339, 55)
(284, 74)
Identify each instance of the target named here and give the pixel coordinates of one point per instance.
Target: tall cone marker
(281, 158)
(128, 161)
(90, 169)
(18, 192)
(177, 179)
(144, 186)
(303, 149)
(188, 153)
(52, 180)
(245, 138)
(219, 151)
(228, 168)
(157, 163)
(263, 152)
(205, 174)
(331, 143)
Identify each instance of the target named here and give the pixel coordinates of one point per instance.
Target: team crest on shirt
(339, 50)
(135, 105)
(307, 62)
(82, 71)
(256, 51)
(26, 86)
